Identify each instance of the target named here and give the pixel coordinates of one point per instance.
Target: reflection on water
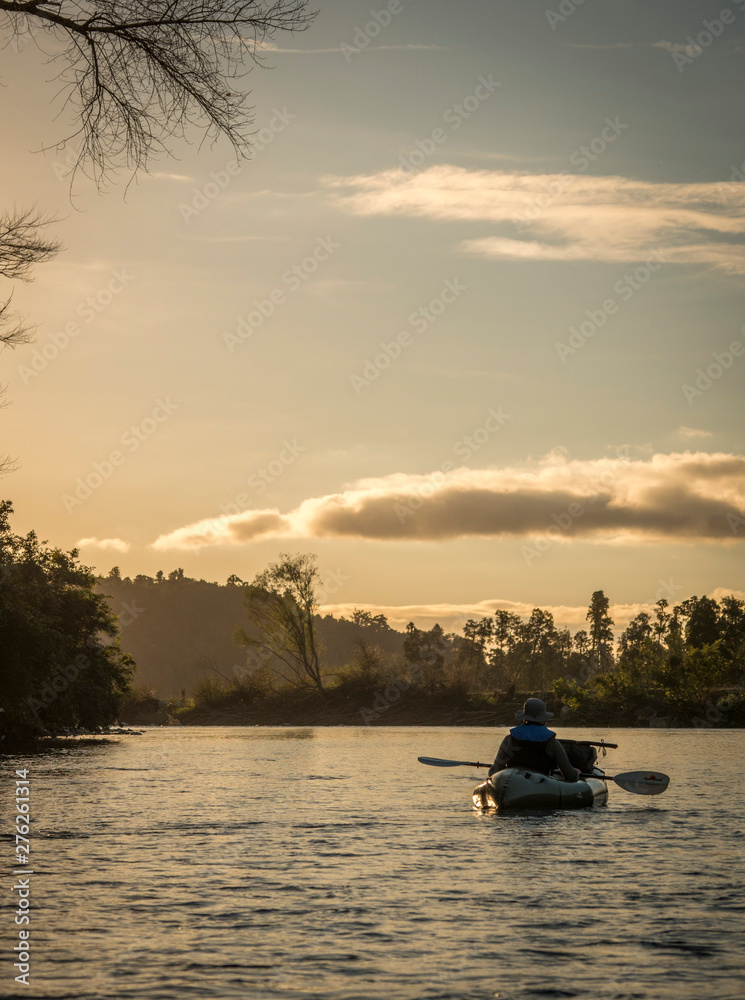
(290, 862)
(273, 733)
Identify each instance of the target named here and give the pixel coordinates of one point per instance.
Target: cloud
(693, 432)
(262, 47)
(103, 543)
(676, 47)
(721, 592)
(567, 216)
(682, 497)
(452, 617)
(672, 47)
(160, 175)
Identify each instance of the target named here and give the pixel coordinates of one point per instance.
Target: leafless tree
(140, 73)
(21, 246)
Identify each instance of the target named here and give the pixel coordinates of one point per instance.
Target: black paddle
(639, 782)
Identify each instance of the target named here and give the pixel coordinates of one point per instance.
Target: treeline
(264, 646)
(262, 651)
(674, 667)
(682, 665)
(61, 664)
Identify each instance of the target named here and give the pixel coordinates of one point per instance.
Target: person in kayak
(532, 745)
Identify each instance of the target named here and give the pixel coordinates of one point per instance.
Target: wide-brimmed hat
(534, 710)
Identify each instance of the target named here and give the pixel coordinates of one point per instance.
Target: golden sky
(469, 325)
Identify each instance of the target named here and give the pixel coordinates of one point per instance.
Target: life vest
(529, 748)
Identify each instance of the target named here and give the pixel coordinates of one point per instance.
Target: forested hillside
(180, 631)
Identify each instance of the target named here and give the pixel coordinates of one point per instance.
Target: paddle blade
(642, 782)
(439, 762)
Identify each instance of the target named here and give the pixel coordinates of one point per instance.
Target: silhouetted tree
(732, 629)
(61, 666)
(702, 626)
(138, 74)
(601, 630)
(141, 73)
(365, 619)
(662, 618)
(636, 634)
(21, 246)
(581, 642)
(280, 605)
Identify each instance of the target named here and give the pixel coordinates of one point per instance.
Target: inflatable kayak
(518, 788)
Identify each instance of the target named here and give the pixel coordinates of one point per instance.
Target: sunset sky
(469, 325)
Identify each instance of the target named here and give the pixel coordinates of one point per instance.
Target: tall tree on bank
(60, 662)
(600, 630)
(281, 605)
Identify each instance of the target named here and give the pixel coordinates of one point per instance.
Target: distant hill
(180, 630)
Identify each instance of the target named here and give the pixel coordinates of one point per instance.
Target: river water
(267, 863)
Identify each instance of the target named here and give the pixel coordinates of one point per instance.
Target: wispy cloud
(239, 239)
(262, 47)
(272, 47)
(693, 432)
(681, 497)
(577, 217)
(672, 47)
(676, 47)
(116, 544)
(161, 176)
(452, 617)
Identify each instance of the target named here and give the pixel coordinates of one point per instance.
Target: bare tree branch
(139, 74)
(21, 243)
(21, 246)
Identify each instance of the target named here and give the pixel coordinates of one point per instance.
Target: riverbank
(392, 707)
